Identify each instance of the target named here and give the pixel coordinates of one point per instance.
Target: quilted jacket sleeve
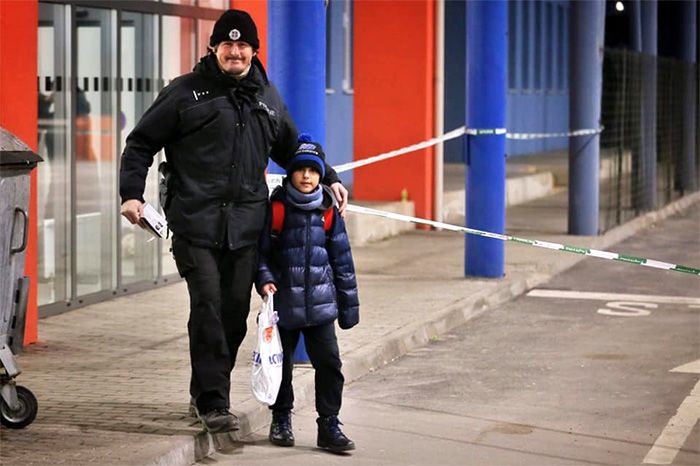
(265, 270)
(340, 257)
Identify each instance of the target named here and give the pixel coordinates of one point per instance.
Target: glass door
(138, 86)
(95, 150)
(54, 174)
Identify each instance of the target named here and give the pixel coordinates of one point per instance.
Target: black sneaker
(330, 437)
(281, 429)
(219, 420)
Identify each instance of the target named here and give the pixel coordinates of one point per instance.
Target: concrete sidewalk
(112, 378)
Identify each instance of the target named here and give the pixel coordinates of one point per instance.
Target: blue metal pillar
(649, 33)
(688, 51)
(297, 61)
(487, 52)
(635, 31)
(531, 28)
(297, 66)
(586, 36)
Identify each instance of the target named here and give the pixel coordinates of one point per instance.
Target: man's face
(234, 57)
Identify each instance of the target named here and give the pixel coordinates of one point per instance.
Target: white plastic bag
(267, 357)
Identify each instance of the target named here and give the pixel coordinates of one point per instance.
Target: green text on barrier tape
(542, 244)
(484, 131)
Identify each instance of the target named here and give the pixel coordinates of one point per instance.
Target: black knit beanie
(235, 25)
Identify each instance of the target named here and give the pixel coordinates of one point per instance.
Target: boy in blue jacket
(305, 260)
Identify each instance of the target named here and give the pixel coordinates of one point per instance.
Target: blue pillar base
(300, 356)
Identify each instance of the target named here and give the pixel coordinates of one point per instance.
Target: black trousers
(322, 347)
(219, 283)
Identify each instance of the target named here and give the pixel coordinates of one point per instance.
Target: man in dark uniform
(218, 126)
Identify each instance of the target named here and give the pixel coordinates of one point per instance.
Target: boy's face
(305, 179)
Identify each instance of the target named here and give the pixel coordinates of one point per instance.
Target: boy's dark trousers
(219, 283)
(322, 347)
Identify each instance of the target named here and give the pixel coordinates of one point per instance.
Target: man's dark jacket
(312, 268)
(217, 133)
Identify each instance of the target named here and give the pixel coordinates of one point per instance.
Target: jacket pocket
(265, 130)
(329, 274)
(254, 192)
(330, 281)
(202, 116)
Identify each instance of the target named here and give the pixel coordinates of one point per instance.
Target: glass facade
(100, 67)
(139, 256)
(95, 152)
(54, 177)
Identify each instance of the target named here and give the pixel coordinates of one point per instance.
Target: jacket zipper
(307, 253)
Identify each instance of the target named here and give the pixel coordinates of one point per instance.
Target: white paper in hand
(154, 222)
(267, 357)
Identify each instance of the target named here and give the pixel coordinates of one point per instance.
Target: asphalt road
(576, 377)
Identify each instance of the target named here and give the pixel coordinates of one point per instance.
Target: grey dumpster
(18, 405)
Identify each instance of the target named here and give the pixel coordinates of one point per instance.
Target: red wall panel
(258, 11)
(18, 113)
(394, 98)
(187, 56)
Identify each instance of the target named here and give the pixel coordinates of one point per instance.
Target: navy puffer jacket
(312, 269)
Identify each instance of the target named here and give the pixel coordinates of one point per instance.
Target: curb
(254, 416)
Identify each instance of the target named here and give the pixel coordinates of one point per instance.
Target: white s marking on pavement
(627, 309)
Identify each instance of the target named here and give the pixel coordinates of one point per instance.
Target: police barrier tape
(455, 133)
(541, 244)
(578, 132)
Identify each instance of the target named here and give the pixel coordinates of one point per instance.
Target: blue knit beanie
(308, 154)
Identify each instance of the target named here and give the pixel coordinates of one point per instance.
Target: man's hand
(341, 194)
(132, 210)
(268, 288)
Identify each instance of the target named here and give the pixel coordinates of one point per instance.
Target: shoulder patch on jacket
(265, 107)
(198, 94)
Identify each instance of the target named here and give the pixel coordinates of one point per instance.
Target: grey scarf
(310, 201)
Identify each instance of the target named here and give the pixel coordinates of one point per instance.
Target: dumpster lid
(15, 152)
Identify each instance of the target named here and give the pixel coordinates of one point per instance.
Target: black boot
(330, 437)
(281, 429)
(218, 420)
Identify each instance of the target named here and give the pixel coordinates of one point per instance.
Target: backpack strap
(328, 219)
(277, 217)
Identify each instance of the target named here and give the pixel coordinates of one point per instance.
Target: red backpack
(278, 218)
